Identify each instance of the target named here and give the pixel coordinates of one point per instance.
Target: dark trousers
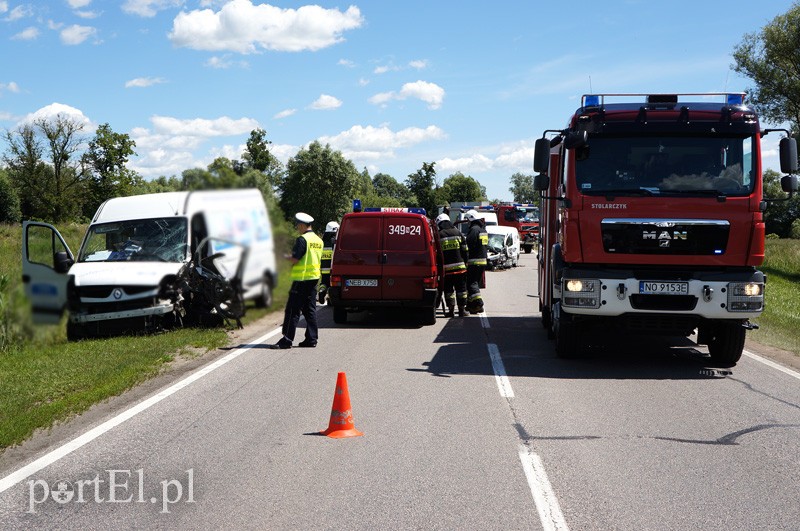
(302, 299)
(474, 279)
(454, 289)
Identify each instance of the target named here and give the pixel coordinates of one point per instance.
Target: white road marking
(765, 361)
(503, 383)
(543, 496)
(484, 320)
(66, 449)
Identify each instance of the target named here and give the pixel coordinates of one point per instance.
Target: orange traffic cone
(341, 423)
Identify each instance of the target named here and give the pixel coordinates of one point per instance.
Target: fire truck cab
(652, 220)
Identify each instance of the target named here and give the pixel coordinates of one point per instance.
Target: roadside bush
(773, 236)
(794, 232)
(9, 201)
(15, 323)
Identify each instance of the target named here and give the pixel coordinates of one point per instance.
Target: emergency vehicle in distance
(522, 216)
(652, 220)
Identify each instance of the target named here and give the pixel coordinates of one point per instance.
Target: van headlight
(581, 293)
(745, 296)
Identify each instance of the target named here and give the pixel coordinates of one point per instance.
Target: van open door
(46, 260)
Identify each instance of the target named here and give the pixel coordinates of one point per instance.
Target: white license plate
(362, 282)
(650, 287)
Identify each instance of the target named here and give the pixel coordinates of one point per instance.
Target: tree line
(52, 172)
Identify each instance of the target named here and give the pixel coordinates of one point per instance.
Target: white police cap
(302, 217)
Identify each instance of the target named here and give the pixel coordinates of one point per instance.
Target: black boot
(449, 312)
(462, 311)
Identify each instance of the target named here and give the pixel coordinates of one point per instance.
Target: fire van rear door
(407, 257)
(358, 256)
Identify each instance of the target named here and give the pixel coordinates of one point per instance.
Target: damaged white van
(126, 276)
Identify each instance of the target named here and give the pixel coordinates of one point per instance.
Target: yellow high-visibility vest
(308, 267)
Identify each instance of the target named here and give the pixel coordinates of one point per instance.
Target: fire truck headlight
(745, 296)
(581, 293)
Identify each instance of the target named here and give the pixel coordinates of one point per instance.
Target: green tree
(26, 169)
(158, 185)
(424, 188)
(522, 188)
(771, 58)
(387, 186)
(9, 200)
(62, 135)
(257, 156)
(105, 161)
(320, 182)
(461, 188)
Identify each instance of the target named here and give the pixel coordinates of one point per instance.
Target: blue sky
(467, 85)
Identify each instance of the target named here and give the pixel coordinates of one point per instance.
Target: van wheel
(339, 315)
(75, 332)
(264, 300)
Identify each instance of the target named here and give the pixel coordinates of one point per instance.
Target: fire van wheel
(567, 335)
(339, 315)
(428, 315)
(727, 344)
(528, 249)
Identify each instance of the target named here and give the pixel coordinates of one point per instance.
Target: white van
(124, 275)
(504, 246)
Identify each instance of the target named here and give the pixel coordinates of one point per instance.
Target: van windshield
(142, 240)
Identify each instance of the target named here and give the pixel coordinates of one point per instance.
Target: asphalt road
(471, 423)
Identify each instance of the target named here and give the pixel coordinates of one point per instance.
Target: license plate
(362, 282)
(648, 287)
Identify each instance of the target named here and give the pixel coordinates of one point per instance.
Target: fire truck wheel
(339, 315)
(567, 334)
(727, 344)
(428, 316)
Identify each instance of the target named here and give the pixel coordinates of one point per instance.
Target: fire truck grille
(660, 237)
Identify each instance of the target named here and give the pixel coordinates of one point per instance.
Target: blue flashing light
(717, 251)
(735, 99)
(591, 100)
(356, 205)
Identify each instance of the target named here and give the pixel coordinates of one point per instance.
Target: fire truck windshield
(665, 165)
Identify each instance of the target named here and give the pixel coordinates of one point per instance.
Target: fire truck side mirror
(576, 139)
(541, 155)
(541, 182)
(789, 184)
(788, 153)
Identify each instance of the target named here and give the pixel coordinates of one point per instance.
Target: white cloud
(225, 61)
(58, 109)
(284, 114)
(363, 82)
(19, 12)
(430, 93)
(75, 34)
(3, 7)
(53, 25)
(467, 165)
(346, 62)
(149, 8)
(418, 65)
(360, 142)
(200, 127)
(239, 26)
(77, 4)
(383, 69)
(326, 103)
(87, 14)
(144, 82)
(10, 87)
(28, 34)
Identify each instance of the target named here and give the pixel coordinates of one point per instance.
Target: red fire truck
(522, 216)
(652, 220)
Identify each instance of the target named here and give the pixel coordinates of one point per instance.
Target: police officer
(454, 251)
(328, 241)
(306, 258)
(477, 242)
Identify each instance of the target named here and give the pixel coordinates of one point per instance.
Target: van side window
(360, 234)
(403, 234)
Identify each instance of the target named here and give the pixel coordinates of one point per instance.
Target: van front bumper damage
(162, 308)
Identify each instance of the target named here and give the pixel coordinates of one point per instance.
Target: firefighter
(477, 242)
(454, 251)
(306, 258)
(328, 241)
